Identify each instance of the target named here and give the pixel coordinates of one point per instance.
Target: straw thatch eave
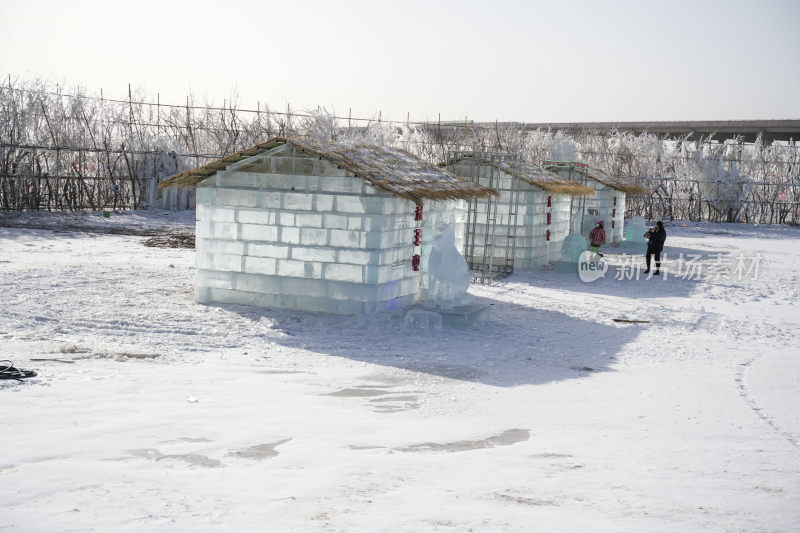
(614, 183)
(535, 175)
(187, 178)
(601, 177)
(540, 177)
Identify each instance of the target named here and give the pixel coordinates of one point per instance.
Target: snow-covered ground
(174, 416)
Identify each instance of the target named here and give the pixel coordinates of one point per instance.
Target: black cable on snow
(9, 371)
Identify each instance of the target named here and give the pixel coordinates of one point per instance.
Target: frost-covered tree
(72, 149)
(721, 181)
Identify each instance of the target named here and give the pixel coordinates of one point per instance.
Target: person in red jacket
(597, 237)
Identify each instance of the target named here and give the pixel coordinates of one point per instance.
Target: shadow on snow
(519, 345)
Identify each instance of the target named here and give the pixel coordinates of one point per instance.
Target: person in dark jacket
(656, 237)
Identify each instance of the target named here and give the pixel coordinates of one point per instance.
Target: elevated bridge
(748, 130)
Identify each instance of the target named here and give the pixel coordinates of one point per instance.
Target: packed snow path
(176, 416)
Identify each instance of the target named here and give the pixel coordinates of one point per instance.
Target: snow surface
(176, 416)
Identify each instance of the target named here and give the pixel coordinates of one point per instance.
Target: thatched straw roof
(598, 175)
(188, 178)
(549, 181)
(615, 183)
(533, 174)
(389, 169)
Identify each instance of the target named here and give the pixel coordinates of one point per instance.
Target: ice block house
(316, 225)
(607, 203)
(523, 227)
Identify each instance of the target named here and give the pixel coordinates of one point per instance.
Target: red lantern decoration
(549, 201)
(549, 219)
(548, 235)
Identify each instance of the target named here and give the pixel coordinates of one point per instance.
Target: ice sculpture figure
(635, 230)
(448, 274)
(572, 248)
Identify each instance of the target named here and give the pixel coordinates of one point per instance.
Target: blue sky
(525, 61)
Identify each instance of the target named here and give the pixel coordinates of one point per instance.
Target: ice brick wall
(601, 207)
(594, 207)
(612, 215)
(529, 225)
(582, 220)
(586, 210)
(559, 229)
(318, 240)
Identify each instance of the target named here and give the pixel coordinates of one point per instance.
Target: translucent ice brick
(421, 319)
